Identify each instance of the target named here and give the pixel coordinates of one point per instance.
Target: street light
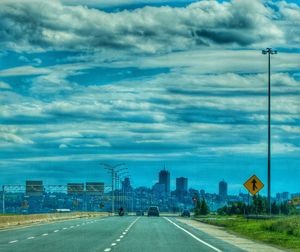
(3, 199)
(119, 177)
(269, 51)
(112, 169)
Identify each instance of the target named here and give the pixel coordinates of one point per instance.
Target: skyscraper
(181, 188)
(181, 184)
(126, 186)
(223, 190)
(164, 178)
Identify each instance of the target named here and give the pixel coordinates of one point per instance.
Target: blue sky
(146, 83)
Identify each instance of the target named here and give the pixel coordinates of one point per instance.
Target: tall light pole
(119, 175)
(3, 199)
(269, 51)
(112, 169)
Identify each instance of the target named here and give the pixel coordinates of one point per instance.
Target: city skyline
(177, 81)
(222, 186)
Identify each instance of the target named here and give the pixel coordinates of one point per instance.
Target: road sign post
(253, 185)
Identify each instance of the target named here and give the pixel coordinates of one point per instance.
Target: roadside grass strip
(281, 231)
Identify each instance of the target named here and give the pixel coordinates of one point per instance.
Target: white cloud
(11, 136)
(23, 70)
(4, 85)
(116, 3)
(260, 149)
(62, 146)
(212, 61)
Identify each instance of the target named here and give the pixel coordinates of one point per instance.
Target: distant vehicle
(153, 211)
(121, 211)
(185, 213)
(140, 213)
(62, 210)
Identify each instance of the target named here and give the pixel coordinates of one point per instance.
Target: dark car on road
(185, 213)
(153, 211)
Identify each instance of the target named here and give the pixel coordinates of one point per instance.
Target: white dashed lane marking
(121, 236)
(13, 241)
(57, 230)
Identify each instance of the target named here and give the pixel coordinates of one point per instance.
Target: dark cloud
(202, 114)
(226, 37)
(32, 25)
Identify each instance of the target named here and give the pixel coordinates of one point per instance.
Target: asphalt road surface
(120, 234)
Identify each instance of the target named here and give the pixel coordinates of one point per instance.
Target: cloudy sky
(146, 83)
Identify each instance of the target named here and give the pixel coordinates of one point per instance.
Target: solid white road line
(55, 231)
(195, 237)
(44, 234)
(30, 238)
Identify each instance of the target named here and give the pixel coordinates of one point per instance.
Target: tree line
(259, 205)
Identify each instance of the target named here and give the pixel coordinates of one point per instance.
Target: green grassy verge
(283, 231)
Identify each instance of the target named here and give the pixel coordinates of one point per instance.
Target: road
(120, 234)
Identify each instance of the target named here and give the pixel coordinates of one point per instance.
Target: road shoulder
(220, 233)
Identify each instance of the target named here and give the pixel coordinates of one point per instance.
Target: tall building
(223, 190)
(181, 188)
(181, 184)
(164, 178)
(126, 186)
(158, 190)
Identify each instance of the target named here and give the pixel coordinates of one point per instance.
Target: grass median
(280, 231)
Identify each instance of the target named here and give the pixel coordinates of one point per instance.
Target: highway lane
(128, 233)
(74, 235)
(161, 234)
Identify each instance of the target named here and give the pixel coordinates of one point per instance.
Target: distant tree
(260, 204)
(223, 210)
(198, 207)
(275, 208)
(287, 209)
(204, 210)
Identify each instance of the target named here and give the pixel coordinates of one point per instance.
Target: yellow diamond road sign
(253, 185)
